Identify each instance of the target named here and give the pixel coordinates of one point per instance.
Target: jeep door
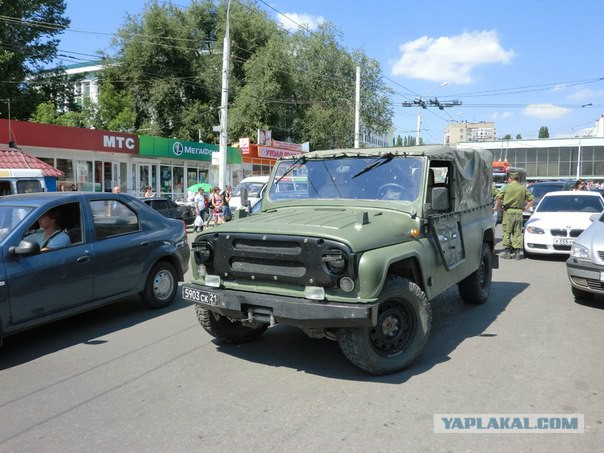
(445, 224)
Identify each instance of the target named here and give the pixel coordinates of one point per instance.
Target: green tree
(518, 137)
(302, 87)
(543, 132)
(170, 61)
(166, 78)
(28, 37)
(410, 140)
(507, 137)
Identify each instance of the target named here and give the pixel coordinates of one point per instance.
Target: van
(253, 185)
(21, 180)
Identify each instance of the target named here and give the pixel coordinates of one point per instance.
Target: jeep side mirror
(243, 195)
(239, 214)
(440, 199)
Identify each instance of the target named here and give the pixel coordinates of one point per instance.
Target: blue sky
(522, 64)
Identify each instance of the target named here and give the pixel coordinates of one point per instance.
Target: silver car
(585, 267)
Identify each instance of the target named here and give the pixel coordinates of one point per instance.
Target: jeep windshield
(394, 178)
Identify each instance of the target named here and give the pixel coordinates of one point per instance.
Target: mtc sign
(64, 137)
(119, 142)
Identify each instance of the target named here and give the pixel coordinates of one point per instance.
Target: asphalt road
(124, 378)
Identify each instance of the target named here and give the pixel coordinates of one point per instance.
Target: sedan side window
(58, 227)
(160, 205)
(113, 218)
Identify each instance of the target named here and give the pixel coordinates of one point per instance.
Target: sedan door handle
(83, 259)
(145, 243)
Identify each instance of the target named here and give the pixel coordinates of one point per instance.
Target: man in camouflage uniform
(513, 196)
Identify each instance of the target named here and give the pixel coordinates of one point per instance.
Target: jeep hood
(358, 227)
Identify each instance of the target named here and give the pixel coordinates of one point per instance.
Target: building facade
(88, 86)
(543, 159)
(469, 132)
(94, 160)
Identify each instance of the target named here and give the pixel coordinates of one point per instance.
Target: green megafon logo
(177, 148)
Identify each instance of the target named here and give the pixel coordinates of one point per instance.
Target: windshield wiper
(376, 163)
(290, 168)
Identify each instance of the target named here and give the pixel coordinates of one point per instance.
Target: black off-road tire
(161, 287)
(580, 294)
(402, 331)
(475, 288)
(228, 330)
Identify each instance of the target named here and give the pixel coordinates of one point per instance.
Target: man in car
(513, 196)
(52, 235)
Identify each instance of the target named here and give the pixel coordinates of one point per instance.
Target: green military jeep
(355, 255)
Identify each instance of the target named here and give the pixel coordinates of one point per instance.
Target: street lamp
(422, 106)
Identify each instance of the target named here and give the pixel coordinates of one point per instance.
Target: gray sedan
(63, 253)
(585, 267)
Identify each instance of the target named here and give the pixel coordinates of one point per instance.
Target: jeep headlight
(203, 251)
(335, 260)
(534, 230)
(580, 251)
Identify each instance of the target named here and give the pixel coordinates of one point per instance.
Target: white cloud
(545, 111)
(293, 21)
(502, 115)
(451, 58)
(585, 95)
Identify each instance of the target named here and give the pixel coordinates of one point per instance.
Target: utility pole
(357, 110)
(226, 51)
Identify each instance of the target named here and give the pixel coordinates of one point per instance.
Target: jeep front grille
(289, 259)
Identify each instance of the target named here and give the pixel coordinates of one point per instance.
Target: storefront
(94, 160)
(258, 160)
(91, 160)
(170, 166)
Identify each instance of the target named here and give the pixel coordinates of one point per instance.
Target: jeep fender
(406, 259)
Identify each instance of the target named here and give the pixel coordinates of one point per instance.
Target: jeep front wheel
(402, 330)
(228, 330)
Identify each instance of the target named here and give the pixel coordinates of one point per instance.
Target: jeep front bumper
(270, 308)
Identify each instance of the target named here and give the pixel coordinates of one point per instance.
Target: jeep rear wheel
(475, 288)
(226, 329)
(401, 333)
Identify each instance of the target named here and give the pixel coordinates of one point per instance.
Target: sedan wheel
(162, 284)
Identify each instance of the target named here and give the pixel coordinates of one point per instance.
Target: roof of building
(15, 158)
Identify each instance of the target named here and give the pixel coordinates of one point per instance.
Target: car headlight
(580, 251)
(335, 260)
(203, 252)
(534, 230)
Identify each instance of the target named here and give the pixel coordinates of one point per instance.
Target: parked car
(171, 209)
(253, 186)
(118, 247)
(538, 189)
(558, 220)
(585, 266)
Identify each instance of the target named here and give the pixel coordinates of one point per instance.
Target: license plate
(564, 241)
(202, 297)
(602, 276)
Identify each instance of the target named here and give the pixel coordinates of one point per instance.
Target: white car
(558, 219)
(253, 185)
